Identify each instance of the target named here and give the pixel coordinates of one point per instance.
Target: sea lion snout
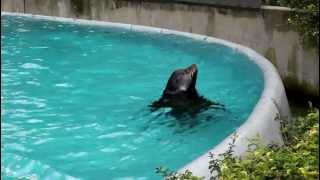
(192, 70)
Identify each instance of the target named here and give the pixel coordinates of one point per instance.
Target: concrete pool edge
(273, 101)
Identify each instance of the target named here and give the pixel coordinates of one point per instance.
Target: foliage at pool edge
(298, 158)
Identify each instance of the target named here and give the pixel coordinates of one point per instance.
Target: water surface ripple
(74, 100)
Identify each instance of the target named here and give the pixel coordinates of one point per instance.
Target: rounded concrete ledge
(263, 121)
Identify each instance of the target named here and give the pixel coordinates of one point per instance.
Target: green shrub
(298, 158)
(304, 18)
(171, 175)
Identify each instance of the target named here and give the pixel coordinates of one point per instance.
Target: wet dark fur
(181, 94)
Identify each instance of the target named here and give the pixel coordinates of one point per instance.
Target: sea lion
(181, 94)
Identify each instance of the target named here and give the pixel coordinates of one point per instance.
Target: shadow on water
(179, 120)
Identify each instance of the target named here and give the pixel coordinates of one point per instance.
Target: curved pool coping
(263, 119)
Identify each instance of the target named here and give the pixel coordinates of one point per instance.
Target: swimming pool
(75, 99)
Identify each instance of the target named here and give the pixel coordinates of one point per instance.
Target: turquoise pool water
(74, 100)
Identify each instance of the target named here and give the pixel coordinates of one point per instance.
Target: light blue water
(74, 100)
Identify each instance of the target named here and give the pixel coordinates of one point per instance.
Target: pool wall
(263, 121)
(263, 28)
